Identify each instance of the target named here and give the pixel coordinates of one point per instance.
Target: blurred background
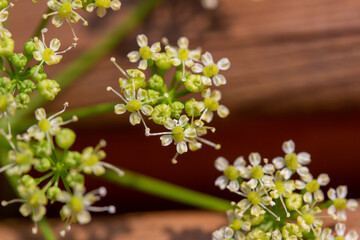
(295, 74)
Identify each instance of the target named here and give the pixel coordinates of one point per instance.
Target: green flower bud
(53, 193)
(65, 138)
(27, 181)
(42, 165)
(231, 173)
(72, 159)
(27, 86)
(19, 60)
(5, 84)
(193, 108)
(6, 46)
(163, 62)
(294, 201)
(161, 113)
(29, 47)
(156, 82)
(236, 224)
(75, 178)
(3, 4)
(254, 198)
(48, 88)
(22, 101)
(37, 73)
(176, 109)
(194, 83)
(291, 230)
(151, 95)
(179, 75)
(41, 148)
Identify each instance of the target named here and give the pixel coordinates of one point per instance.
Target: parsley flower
(102, 5)
(340, 203)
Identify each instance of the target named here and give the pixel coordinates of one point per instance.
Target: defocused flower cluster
(281, 199)
(47, 170)
(175, 105)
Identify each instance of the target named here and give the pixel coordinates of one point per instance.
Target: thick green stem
(88, 59)
(167, 190)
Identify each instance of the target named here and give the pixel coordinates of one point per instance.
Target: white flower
(340, 203)
(340, 231)
(3, 17)
(223, 233)
(307, 220)
(102, 5)
(182, 55)
(211, 104)
(64, 10)
(292, 161)
(230, 171)
(145, 52)
(78, 206)
(211, 70)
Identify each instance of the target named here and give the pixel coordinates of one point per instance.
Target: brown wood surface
(168, 225)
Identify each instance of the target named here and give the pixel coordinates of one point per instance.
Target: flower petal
(207, 58)
(219, 80)
(120, 108)
(341, 191)
(288, 146)
(166, 140)
(142, 40)
(223, 111)
(55, 44)
(135, 118)
(183, 120)
(183, 42)
(147, 110)
(181, 147)
(223, 64)
(221, 164)
(133, 56)
(40, 114)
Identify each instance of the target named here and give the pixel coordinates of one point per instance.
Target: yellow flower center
(22, 159)
(211, 104)
(312, 186)
(91, 160)
(134, 105)
(279, 186)
(47, 54)
(257, 172)
(145, 53)
(210, 70)
(44, 125)
(178, 134)
(254, 198)
(183, 54)
(65, 9)
(77, 203)
(291, 161)
(340, 203)
(103, 3)
(309, 218)
(231, 173)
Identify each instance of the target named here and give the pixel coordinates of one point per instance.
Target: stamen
(64, 51)
(237, 192)
(72, 30)
(113, 90)
(73, 119)
(100, 191)
(121, 70)
(35, 228)
(216, 146)
(284, 205)
(45, 16)
(101, 144)
(5, 203)
(66, 104)
(2, 132)
(173, 160)
(165, 41)
(44, 30)
(240, 214)
(156, 134)
(143, 121)
(110, 209)
(263, 206)
(6, 167)
(112, 167)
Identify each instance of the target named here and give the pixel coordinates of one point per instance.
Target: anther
(217, 146)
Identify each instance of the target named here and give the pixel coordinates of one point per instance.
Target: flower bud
(19, 60)
(27, 86)
(156, 82)
(5, 84)
(42, 165)
(193, 108)
(22, 101)
(53, 193)
(65, 138)
(48, 88)
(38, 73)
(194, 83)
(161, 113)
(29, 47)
(176, 109)
(72, 159)
(75, 178)
(6, 46)
(163, 62)
(27, 181)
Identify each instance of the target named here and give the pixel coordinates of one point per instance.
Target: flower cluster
(281, 199)
(46, 149)
(66, 10)
(165, 104)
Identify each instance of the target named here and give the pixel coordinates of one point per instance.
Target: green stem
(40, 179)
(44, 226)
(181, 93)
(88, 59)
(167, 190)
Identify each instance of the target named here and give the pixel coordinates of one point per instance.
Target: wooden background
(294, 75)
